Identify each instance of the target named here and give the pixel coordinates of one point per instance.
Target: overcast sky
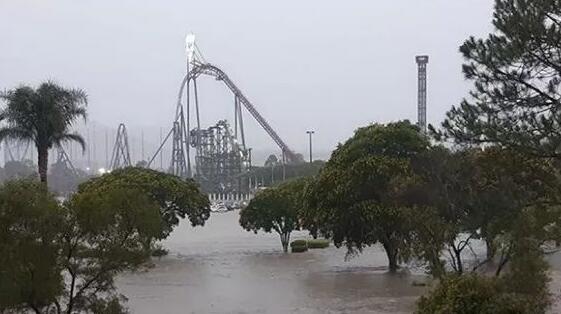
(331, 66)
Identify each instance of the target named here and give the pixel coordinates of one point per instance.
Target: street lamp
(310, 133)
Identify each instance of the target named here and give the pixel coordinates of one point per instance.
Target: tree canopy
(276, 209)
(358, 197)
(516, 72)
(63, 257)
(30, 273)
(176, 197)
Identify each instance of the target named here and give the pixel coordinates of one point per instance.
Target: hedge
(318, 244)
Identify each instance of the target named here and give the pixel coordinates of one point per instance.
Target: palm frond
(71, 137)
(45, 114)
(15, 133)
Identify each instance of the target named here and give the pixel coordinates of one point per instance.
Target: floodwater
(221, 268)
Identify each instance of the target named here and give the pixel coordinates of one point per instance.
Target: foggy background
(330, 66)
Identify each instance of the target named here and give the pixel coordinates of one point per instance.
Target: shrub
(473, 294)
(299, 246)
(318, 244)
(299, 243)
(159, 251)
(299, 249)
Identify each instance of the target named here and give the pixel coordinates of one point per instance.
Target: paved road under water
(220, 268)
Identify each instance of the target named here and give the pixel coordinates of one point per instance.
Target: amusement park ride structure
(221, 157)
(120, 157)
(216, 156)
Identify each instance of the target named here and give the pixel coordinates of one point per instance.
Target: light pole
(310, 133)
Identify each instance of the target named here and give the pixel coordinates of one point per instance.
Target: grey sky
(327, 65)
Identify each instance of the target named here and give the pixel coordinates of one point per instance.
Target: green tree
(504, 184)
(30, 273)
(275, 209)
(19, 170)
(105, 233)
(516, 72)
(358, 197)
(177, 198)
(480, 194)
(64, 180)
(43, 116)
(63, 258)
(444, 190)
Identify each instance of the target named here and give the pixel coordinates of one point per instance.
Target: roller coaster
(216, 156)
(221, 157)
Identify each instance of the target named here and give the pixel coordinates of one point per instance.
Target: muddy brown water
(220, 268)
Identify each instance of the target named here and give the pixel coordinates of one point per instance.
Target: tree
(177, 198)
(444, 190)
(43, 116)
(105, 233)
(63, 258)
(479, 194)
(30, 275)
(271, 161)
(141, 164)
(505, 183)
(275, 209)
(516, 71)
(64, 180)
(264, 175)
(358, 197)
(19, 169)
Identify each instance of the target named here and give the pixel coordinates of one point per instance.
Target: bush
(473, 294)
(299, 246)
(299, 249)
(299, 243)
(318, 244)
(159, 251)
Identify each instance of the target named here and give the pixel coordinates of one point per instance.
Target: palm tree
(43, 116)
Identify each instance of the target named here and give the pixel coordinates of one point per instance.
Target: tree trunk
(491, 250)
(391, 252)
(459, 262)
(43, 163)
(285, 238)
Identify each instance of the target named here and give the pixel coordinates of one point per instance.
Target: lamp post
(310, 133)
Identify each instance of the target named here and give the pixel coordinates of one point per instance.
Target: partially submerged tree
(505, 184)
(275, 209)
(444, 189)
(481, 194)
(358, 197)
(43, 116)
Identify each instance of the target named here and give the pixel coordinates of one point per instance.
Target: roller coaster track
(213, 71)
